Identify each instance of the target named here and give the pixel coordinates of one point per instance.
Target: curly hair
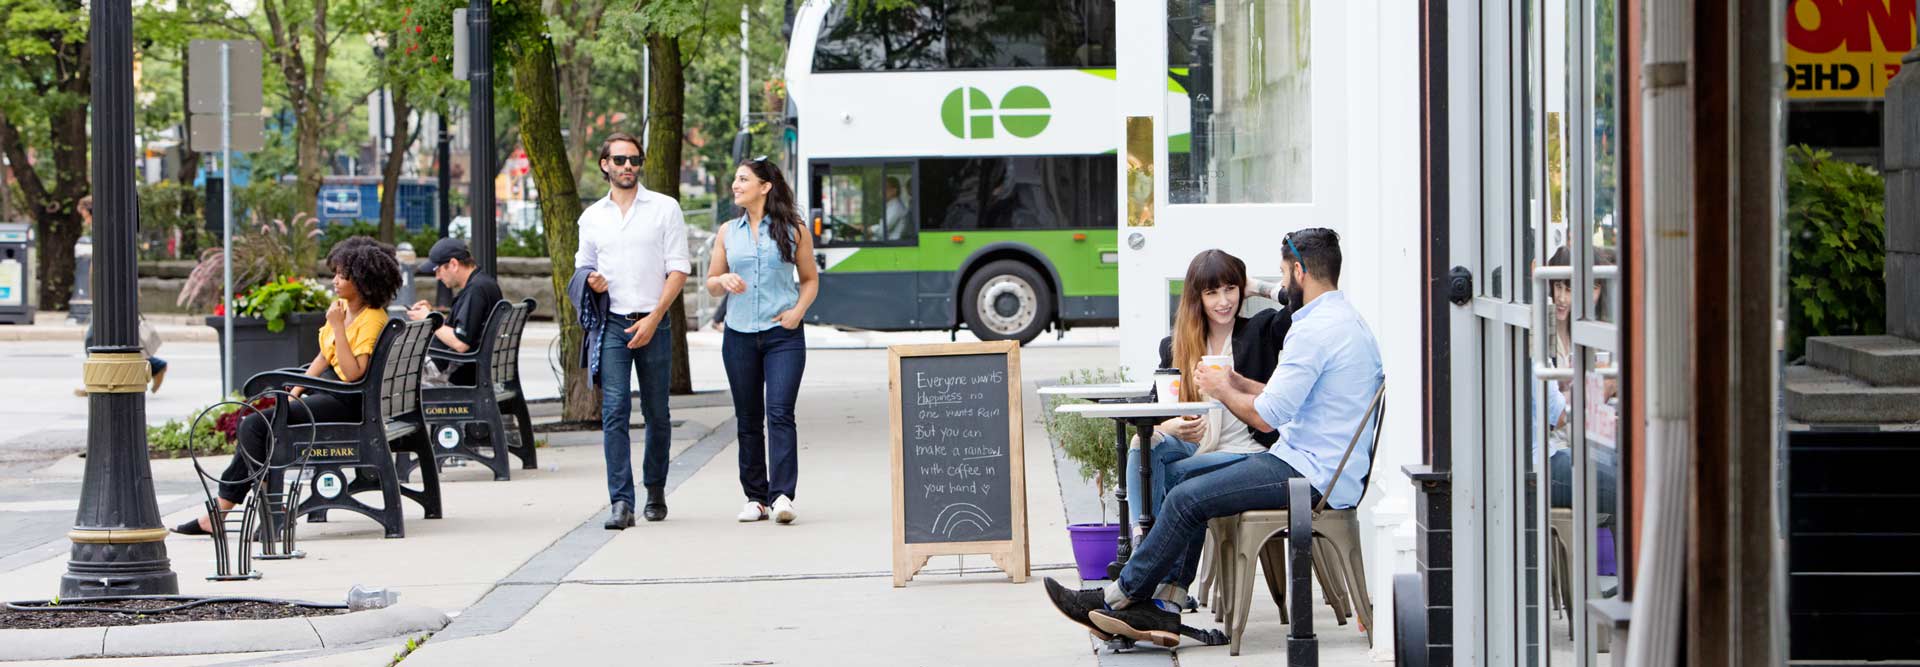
(370, 266)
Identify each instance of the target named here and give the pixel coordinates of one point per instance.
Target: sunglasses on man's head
(619, 160)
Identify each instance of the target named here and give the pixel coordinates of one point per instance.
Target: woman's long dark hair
(780, 207)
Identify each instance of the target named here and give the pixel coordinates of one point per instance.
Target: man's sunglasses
(619, 160)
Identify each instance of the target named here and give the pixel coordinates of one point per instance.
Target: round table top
(1138, 410)
(1094, 392)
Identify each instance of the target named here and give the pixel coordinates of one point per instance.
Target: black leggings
(257, 429)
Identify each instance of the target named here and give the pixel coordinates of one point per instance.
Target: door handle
(1543, 320)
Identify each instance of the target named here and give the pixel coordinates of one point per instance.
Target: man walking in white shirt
(634, 241)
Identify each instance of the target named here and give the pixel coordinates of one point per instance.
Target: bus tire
(1007, 300)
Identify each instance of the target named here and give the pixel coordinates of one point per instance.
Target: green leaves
(1836, 242)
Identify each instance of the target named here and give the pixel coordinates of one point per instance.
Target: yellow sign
(1846, 49)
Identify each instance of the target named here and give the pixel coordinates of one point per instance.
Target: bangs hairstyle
(1209, 270)
(370, 265)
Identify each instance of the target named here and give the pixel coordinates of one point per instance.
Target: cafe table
(1127, 405)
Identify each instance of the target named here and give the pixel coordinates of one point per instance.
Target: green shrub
(1088, 441)
(525, 242)
(1836, 239)
(171, 440)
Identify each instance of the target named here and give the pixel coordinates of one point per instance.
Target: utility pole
(119, 547)
(480, 126)
(442, 294)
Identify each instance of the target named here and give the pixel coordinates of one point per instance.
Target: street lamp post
(480, 123)
(119, 547)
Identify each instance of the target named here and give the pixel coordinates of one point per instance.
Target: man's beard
(625, 180)
(1296, 296)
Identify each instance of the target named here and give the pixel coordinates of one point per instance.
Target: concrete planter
(213, 637)
(255, 349)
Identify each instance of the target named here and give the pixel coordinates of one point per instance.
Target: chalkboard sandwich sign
(959, 463)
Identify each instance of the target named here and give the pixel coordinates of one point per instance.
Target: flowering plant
(276, 300)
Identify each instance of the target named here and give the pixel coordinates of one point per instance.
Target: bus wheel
(1007, 300)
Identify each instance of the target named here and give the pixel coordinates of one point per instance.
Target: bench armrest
(443, 354)
(288, 378)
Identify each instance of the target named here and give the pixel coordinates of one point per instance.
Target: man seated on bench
(453, 266)
(1328, 373)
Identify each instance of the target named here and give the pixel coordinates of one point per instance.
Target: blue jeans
(1173, 460)
(1171, 552)
(653, 365)
(763, 370)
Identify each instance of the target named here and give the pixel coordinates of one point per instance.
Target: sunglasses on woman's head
(619, 160)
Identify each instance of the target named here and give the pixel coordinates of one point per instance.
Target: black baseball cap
(446, 250)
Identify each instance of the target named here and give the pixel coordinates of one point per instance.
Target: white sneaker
(752, 512)
(783, 509)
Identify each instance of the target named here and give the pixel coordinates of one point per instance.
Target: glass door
(1535, 347)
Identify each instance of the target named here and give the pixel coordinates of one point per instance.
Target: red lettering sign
(1850, 25)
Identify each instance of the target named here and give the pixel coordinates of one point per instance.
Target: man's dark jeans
(1172, 548)
(764, 372)
(653, 365)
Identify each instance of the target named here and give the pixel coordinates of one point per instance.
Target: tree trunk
(189, 168)
(667, 110)
(403, 137)
(55, 211)
(307, 166)
(536, 100)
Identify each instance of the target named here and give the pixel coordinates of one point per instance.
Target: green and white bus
(958, 158)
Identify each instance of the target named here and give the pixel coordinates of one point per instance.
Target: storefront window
(1242, 69)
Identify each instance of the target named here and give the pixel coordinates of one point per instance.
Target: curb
(215, 637)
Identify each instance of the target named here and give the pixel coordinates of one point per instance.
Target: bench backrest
(501, 346)
(399, 359)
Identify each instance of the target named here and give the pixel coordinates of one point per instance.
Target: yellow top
(363, 331)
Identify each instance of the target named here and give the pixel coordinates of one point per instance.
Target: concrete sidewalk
(529, 575)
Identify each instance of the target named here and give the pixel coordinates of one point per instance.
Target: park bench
(468, 421)
(391, 420)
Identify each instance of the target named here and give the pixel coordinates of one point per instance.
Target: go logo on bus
(968, 113)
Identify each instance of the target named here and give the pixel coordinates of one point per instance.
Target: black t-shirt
(469, 318)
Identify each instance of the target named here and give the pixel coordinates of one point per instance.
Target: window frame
(819, 169)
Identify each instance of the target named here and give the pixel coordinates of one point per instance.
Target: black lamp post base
(99, 569)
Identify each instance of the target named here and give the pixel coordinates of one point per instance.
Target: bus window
(967, 34)
(1018, 192)
(864, 204)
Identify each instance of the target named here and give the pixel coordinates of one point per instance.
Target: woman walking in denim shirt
(754, 260)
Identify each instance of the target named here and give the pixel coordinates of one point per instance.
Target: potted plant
(1089, 442)
(278, 306)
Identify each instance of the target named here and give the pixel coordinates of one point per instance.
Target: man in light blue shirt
(1328, 374)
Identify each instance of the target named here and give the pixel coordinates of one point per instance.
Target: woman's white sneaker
(783, 509)
(753, 512)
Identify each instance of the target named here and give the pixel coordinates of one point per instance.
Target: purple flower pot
(1604, 564)
(1094, 547)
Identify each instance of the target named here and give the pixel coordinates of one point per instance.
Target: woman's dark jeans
(256, 429)
(763, 370)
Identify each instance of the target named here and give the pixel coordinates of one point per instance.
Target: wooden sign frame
(1012, 556)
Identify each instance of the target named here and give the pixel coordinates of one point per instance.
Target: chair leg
(1327, 572)
(1203, 582)
(1242, 599)
(1273, 567)
(1357, 588)
(528, 457)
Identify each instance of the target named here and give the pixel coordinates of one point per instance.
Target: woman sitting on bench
(365, 278)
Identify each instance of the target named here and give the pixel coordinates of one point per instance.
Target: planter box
(255, 349)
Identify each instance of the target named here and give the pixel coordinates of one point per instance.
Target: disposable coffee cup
(1166, 385)
(1218, 362)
